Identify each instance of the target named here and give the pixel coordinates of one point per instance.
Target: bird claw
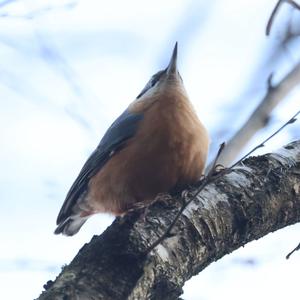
(185, 196)
(161, 197)
(217, 169)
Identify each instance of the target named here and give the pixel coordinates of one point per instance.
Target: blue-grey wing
(123, 128)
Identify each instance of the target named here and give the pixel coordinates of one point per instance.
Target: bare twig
(262, 144)
(274, 95)
(271, 19)
(296, 249)
(275, 11)
(213, 168)
(270, 85)
(212, 177)
(258, 119)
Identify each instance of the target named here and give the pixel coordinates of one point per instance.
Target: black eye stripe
(155, 79)
(157, 76)
(151, 83)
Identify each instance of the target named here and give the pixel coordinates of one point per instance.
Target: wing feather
(113, 140)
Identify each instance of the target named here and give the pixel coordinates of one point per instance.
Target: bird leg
(144, 205)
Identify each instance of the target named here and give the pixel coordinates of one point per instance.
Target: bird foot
(161, 197)
(217, 169)
(186, 195)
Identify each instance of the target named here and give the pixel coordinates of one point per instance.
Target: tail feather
(71, 225)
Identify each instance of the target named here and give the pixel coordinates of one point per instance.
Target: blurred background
(69, 68)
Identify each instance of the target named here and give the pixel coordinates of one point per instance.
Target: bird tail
(71, 225)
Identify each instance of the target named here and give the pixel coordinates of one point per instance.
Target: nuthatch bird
(157, 144)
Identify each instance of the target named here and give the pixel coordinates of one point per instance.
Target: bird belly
(131, 177)
(169, 149)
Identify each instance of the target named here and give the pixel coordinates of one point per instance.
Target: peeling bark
(259, 196)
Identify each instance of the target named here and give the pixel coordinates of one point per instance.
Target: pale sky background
(69, 68)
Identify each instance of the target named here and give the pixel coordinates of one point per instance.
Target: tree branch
(275, 94)
(275, 11)
(260, 116)
(261, 195)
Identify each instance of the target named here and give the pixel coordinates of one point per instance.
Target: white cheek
(150, 92)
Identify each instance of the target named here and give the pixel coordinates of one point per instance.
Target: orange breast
(169, 148)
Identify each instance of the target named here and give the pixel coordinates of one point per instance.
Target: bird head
(168, 76)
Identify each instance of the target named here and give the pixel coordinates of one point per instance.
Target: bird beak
(172, 67)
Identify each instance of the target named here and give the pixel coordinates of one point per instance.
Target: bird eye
(151, 83)
(154, 80)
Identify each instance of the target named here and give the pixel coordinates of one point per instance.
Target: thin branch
(262, 144)
(214, 165)
(271, 19)
(275, 11)
(259, 117)
(296, 249)
(275, 94)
